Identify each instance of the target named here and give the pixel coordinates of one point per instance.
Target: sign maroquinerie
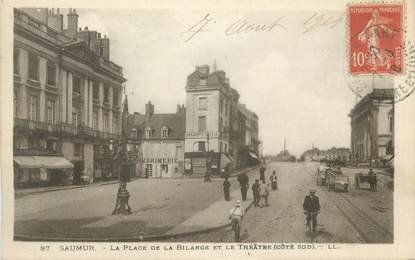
(157, 160)
(204, 135)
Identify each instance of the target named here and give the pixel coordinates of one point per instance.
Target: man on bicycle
(236, 214)
(311, 208)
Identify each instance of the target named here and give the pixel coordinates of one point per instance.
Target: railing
(31, 151)
(63, 128)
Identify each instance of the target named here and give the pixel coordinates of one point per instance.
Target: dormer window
(149, 133)
(164, 132)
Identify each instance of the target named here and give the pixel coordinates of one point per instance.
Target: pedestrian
(226, 186)
(243, 180)
(375, 182)
(371, 180)
(255, 192)
(273, 180)
(262, 173)
(263, 193)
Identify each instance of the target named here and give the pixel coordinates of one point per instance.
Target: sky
(292, 74)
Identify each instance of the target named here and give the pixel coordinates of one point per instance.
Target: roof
(176, 123)
(387, 94)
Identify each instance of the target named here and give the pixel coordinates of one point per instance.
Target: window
(106, 122)
(164, 168)
(226, 107)
(16, 53)
(148, 170)
(76, 85)
(115, 97)
(390, 122)
(15, 103)
(221, 106)
(164, 132)
(95, 119)
(149, 132)
(33, 67)
(95, 90)
(75, 117)
(50, 111)
(106, 94)
(201, 146)
(51, 74)
(203, 103)
(226, 148)
(115, 124)
(202, 123)
(33, 107)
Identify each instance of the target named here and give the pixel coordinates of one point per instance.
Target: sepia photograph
(207, 125)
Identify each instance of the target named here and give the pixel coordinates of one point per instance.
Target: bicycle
(311, 217)
(236, 227)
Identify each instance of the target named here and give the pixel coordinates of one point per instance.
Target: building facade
(161, 142)
(372, 128)
(250, 150)
(210, 104)
(67, 101)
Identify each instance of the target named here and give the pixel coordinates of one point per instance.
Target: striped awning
(48, 162)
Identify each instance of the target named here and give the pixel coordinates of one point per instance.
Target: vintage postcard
(216, 129)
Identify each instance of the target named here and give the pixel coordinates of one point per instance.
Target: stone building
(161, 142)
(67, 100)
(210, 105)
(372, 128)
(250, 151)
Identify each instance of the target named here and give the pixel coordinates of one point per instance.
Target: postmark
(375, 38)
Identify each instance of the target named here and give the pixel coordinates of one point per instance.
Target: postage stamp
(375, 38)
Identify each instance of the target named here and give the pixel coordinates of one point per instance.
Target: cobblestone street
(354, 217)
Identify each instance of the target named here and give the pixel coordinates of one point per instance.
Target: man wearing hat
(311, 208)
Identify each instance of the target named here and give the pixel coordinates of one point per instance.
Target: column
(23, 71)
(110, 96)
(90, 104)
(42, 80)
(101, 101)
(64, 94)
(86, 102)
(69, 91)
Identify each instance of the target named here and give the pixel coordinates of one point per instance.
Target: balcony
(36, 125)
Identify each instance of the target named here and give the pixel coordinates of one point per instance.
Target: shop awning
(53, 162)
(253, 155)
(26, 162)
(224, 160)
(48, 162)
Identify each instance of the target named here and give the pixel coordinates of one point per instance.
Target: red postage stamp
(375, 38)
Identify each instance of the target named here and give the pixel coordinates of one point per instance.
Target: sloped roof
(176, 123)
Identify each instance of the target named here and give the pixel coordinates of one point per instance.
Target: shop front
(42, 171)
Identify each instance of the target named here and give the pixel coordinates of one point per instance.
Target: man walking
(226, 186)
(273, 180)
(263, 192)
(243, 180)
(255, 192)
(262, 173)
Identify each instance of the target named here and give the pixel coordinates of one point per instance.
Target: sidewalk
(212, 217)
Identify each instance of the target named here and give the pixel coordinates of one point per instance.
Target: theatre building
(161, 138)
(372, 125)
(67, 101)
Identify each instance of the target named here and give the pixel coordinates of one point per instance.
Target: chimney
(104, 47)
(149, 111)
(178, 108)
(204, 69)
(72, 23)
(55, 21)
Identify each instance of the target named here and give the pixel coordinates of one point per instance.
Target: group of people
(260, 189)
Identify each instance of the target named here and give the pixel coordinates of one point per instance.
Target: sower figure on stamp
(243, 180)
(255, 192)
